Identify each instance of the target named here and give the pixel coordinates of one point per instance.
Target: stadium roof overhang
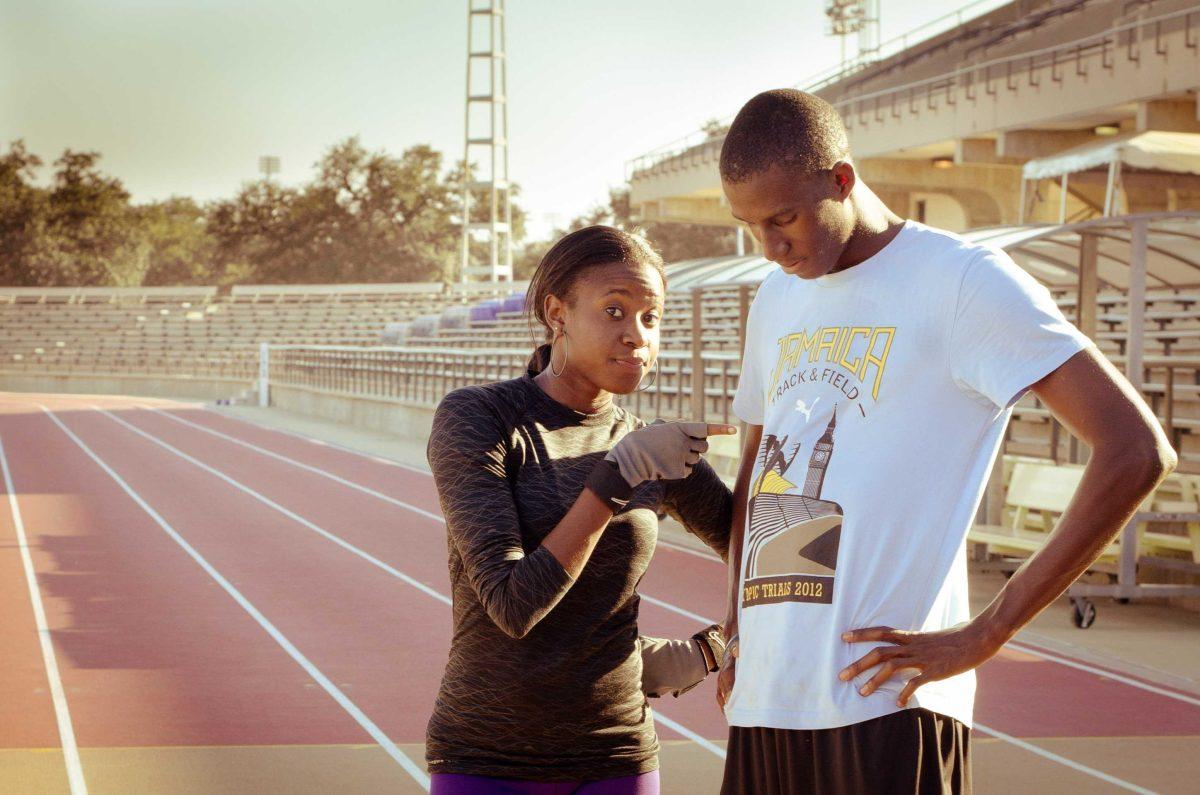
(1174, 154)
(1049, 252)
(1154, 150)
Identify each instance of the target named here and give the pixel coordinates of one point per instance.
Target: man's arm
(1130, 457)
(741, 492)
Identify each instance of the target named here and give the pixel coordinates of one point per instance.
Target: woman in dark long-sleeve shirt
(551, 494)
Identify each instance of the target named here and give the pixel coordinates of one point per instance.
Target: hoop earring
(653, 381)
(564, 364)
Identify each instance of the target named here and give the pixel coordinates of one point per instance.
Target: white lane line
(1062, 760)
(707, 745)
(306, 467)
(697, 552)
(329, 687)
(378, 459)
(668, 606)
(58, 694)
(358, 486)
(1125, 680)
(265, 500)
(361, 553)
(679, 610)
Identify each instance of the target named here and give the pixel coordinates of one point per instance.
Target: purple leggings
(457, 784)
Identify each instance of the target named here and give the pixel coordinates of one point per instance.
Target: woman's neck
(573, 392)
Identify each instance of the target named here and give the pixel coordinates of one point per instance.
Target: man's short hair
(783, 127)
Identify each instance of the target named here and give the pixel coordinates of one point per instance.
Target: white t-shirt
(883, 392)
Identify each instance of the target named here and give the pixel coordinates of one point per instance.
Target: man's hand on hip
(932, 655)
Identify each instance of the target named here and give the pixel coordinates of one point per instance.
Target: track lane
(24, 689)
(325, 604)
(151, 652)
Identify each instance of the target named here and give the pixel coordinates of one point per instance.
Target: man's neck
(875, 226)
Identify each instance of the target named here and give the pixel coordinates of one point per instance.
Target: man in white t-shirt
(882, 362)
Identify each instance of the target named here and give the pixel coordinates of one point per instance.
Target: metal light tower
(268, 165)
(487, 139)
(847, 17)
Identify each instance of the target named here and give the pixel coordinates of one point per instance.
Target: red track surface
(152, 652)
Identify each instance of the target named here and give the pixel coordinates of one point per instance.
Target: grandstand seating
(197, 330)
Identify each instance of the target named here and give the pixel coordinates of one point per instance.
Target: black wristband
(605, 482)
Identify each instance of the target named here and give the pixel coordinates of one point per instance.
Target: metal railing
(692, 383)
(423, 376)
(1163, 395)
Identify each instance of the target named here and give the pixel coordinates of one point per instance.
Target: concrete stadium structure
(941, 129)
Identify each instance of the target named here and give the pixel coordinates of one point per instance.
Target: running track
(191, 603)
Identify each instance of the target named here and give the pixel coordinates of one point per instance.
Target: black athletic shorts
(911, 751)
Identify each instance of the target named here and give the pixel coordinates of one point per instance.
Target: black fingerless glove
(606, 482)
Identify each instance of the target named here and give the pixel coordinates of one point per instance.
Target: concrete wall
(164, 386)
(390, 416)
(413, 422)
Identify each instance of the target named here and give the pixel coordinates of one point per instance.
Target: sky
(181, 97)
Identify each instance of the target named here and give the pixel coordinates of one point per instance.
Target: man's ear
(844, 178)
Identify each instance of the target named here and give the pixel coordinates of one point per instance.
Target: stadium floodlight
(268, 165)
(847, 17)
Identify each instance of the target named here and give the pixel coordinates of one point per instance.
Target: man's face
(801, 219)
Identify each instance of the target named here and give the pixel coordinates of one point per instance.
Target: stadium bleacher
(197, 330)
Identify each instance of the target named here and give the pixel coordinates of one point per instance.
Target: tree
(180, 248)
(22, 216)
(79, 231)
(366, 217)
(674, 241)
(391, 217)
(714, 129)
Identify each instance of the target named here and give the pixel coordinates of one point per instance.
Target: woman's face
(611, 327)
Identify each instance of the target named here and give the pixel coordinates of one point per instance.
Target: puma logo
(806, 409)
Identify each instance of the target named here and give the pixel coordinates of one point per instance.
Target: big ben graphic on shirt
(793, 539)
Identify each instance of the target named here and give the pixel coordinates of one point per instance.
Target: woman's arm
(703, 504)
(468, 447)
(677, 666)
(467, 450)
